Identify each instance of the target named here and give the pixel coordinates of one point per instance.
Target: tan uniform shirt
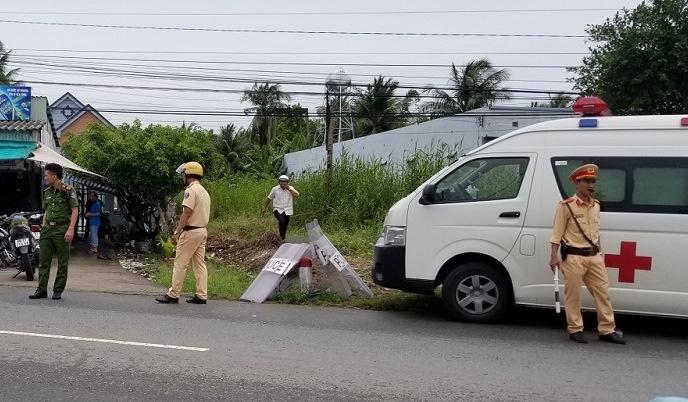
(587, 215)
(198, 200)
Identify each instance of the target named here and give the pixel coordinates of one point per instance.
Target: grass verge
(224, 281)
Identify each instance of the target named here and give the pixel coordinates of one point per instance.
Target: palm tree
(559, 100)
(232, 144)
(265, 98)
(477, 85)
(376, 108)
(7, 76)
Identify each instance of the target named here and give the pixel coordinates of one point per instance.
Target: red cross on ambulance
(627, 261)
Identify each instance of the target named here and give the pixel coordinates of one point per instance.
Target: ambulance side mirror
(428, 196)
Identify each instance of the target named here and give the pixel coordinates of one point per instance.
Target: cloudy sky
(192, 59)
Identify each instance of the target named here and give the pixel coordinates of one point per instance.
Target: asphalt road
(128, 348)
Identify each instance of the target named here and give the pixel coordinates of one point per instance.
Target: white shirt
(282, 200)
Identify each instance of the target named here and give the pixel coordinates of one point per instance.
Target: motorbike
(19, 242)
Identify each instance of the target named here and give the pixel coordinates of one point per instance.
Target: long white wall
(463, 132)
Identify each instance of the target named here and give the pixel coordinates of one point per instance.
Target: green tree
(265, 98)
(295, 131)
(264, 161)
(232, 143)
(377, 108)
(560, 100)
(7, 76)
(639, 59)
(139, 163)
(477, 84)
(412, 108)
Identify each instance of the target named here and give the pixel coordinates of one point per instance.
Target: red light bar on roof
(591, 106)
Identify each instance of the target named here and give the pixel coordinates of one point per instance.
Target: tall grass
(352, 207)
(224, 282)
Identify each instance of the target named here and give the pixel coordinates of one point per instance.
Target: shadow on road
(430, 308)
(641, 325)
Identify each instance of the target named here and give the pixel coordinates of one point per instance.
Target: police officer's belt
(586, 252)
(55, 223)
(187, 228)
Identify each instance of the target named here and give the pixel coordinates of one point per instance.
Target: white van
(480, 228)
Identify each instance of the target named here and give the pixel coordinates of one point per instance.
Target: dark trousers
(53, 242)
(282, 222)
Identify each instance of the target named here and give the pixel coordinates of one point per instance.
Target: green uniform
(57, 205)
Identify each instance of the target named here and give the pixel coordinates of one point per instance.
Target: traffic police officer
(577, 226)
(190, 237)
(59, 219)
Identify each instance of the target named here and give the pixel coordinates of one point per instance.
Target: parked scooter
(22, 237)
(7, 257)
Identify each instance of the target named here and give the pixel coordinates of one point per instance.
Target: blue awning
(13, 150)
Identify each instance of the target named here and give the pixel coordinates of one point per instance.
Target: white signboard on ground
(279, 266)
(328, 254)
(285, 258)
(339, 261)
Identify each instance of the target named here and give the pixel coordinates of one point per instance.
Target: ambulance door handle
(510, 214)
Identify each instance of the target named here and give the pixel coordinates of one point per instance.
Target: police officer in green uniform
(60, 206)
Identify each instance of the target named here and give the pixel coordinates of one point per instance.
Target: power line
(532, 10)
(314, 93)
(297, 53)
(288, 31)
(77, 65)
(165, 75)
(289, 63)
(277, 78)
(181, 112)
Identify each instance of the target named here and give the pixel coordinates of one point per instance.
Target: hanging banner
(15, 103)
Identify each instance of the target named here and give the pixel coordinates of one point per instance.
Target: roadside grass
(350, 209)
(400, 301)
(381, 301)
(224, 281)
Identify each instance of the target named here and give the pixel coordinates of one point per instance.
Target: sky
(168, 62)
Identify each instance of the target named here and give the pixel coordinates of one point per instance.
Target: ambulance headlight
(394, 235)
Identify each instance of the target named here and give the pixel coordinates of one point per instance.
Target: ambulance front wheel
(477, 292)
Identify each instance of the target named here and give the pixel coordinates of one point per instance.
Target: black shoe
(166, 299)
(578, 337)
(196, 300)
(57, 295)
(39, 294)
(613, 338)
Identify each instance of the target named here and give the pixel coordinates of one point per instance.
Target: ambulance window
(610, 181)
(482, 180)
(660, 186)
(611, 185)
(632, 184)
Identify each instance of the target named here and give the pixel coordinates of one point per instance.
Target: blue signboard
(15, 103)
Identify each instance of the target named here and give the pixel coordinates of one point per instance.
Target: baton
(557, 304)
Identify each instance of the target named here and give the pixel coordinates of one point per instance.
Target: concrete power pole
(329, 134)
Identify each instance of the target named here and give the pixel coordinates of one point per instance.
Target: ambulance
(480, 228)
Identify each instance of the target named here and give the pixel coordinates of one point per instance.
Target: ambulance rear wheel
(477, 292)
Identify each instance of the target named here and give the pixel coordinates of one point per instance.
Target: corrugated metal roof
(21, 125)
(91, 182)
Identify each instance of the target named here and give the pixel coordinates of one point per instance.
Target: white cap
(283, 178)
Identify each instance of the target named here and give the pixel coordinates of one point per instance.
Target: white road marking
(100, 340)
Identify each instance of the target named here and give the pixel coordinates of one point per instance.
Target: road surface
(105, 347)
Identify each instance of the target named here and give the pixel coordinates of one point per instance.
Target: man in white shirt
(282, 199)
